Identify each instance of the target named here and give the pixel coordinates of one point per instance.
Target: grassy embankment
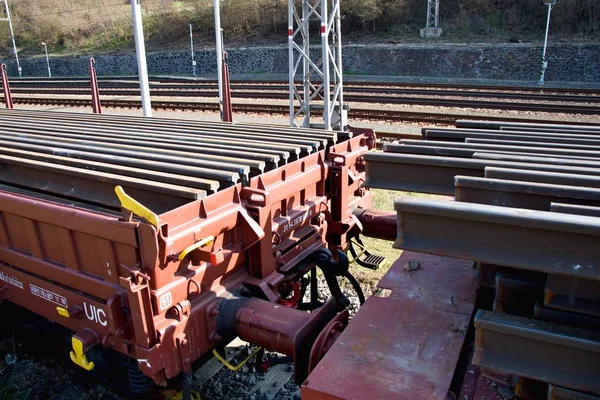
(94, 26)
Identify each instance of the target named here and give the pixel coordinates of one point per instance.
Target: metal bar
(6, 88)
(152, 170)
(575, 320)
(239, 143)
(140, 51)
(540, 159)
(93, 186)
(235, 158)
(538, 350)
(574, 295)
(559, 393)
(532, 240)
(194, 126)
(519, 194)
(507, 136)
(191, 132)
(454, 149)
(574, 130)
(575, 209)
(502, 124)
(219, 51)
(525, 149)
(543, 177)
(549, 143)
(12, 37)
(225, 177)
(430, 174)
(96, 106)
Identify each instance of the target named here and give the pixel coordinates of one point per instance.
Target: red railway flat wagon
(161, 272)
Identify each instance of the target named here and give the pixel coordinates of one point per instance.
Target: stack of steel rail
(527, 211)
(162, 163)
(227, 217)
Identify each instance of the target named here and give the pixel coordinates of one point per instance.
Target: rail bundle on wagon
(157, 243)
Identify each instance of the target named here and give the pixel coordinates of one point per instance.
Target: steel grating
(162, 163)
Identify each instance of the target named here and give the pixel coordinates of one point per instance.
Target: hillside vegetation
(87, 26)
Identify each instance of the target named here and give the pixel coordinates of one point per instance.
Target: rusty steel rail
(538, 350)
(541, 148)
(575, 209)
(529, 239)
(519, 194)
(506, 137)
(555, 178)
(376, 114)
(432, 174)
(545, 127)
(182, 158)
(95, 187)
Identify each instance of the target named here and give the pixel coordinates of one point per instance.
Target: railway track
(176, 82)
(555, 100)
(277, 109)
(426, 99)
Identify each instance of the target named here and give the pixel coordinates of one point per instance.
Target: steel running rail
(529, 239)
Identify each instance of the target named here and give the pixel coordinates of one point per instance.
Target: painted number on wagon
(48, 295)
(95, 314)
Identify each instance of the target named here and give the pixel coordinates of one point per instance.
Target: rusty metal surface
(505, 136)
(433, 174)
(538, 350)
(378, 224)
(93, 186)
(575, 209)
(485, 384)
(522, 125)
(526, 175)
(528, 239)
(404, 346)
(560, 393)
(149, 291)
(539, 148)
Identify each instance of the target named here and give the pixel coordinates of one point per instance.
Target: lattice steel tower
(433, 8)
(322, 83)
(432, 29)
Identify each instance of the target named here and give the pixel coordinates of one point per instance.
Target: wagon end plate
(405, 345)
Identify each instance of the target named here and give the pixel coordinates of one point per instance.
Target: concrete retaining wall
(575, 63)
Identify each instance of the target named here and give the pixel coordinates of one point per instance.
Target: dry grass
(382, 200)
(92, 26)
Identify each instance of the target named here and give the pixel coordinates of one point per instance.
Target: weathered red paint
(404, 346)
(123, 281)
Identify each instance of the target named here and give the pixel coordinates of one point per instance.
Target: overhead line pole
(192, 49)
(12, 37)
(219, 50)
(140, 47)
(550, 4)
